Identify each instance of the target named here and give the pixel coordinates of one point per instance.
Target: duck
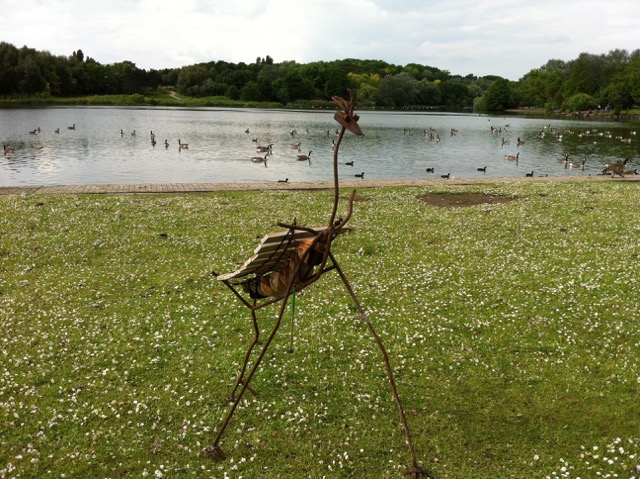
(349, 163)
(446, 177)
(529, 175)
(166, 143)
(72, 127)
(360, 175)
(483, 169)
(57, 131)
(515, 157)
(305, 157)
(7, 150)
(286, 180)
(431, 169)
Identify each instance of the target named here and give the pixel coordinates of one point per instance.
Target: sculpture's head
(346, 117)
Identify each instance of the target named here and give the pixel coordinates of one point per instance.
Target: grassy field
(512, 329)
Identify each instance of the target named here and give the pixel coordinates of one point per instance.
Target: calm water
(220, 149)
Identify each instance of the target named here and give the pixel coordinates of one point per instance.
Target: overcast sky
(482, 37)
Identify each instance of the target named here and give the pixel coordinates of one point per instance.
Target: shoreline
(307, 185)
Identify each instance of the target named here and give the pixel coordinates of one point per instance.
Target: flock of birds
(263, 152)
(615, 168)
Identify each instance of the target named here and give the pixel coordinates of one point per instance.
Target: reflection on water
(114, 145)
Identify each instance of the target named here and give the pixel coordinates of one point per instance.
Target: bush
(579, 102)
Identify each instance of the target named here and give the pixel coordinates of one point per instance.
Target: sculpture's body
(290, 261)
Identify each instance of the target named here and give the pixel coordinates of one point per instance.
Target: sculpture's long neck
(336, 185)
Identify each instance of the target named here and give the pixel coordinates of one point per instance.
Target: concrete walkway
(311, 185)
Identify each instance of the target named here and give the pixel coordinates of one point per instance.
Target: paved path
(311, 185)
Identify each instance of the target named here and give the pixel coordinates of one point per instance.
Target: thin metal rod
(256, 338)
(256, 364)
(387, 364)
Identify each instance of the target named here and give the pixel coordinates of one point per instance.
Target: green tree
(497, 96)
(398, 90)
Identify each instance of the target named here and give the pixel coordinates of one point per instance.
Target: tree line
(608, 80)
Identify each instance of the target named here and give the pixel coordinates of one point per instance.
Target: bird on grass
(616, 168)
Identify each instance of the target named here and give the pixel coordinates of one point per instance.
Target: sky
(507, 38)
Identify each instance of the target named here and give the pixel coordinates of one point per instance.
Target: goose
(577, 164)
(519, 142)
(446, 177)
(529, 175)
(629, 172)
(7, 150)
(430, 169)
(305, 157)
(505, 142)
(483, 169)
(182, 146)
(133, 134)
(360, 175)
(286, 180)
(564, 158)
(349, 163)
(260, 159)
(515, 157)
(616, 168)
(166, 143)
(264, 148)
(296, 146)
(57, 131)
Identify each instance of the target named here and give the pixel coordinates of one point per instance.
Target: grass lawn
(512, 329)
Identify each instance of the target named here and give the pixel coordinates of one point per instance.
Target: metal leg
(415, 472)
(214, 450)
(256, 338)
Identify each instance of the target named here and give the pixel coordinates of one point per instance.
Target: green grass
(512, 329)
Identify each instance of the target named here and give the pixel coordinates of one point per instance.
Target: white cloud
(498, 37)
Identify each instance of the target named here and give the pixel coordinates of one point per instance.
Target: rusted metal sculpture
(289, 261)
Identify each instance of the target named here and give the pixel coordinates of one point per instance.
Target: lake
(103, 148)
